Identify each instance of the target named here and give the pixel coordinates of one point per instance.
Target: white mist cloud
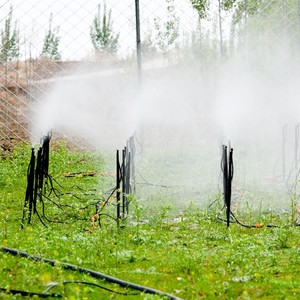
(100, 109)
(255, 97)
(246, 101)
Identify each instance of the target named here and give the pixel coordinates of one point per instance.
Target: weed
(282, 238)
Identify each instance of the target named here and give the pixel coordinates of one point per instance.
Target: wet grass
(181, 250)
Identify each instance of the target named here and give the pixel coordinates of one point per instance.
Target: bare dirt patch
(18, 85)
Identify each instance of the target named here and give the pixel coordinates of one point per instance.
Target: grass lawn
(183, 251)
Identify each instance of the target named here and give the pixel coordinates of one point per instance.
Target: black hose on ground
(30, 294)
(92, 273)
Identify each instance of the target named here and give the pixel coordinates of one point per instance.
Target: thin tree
(148, 45)
(243, 9)
(201, 6)
(101, 31)
(9, 40)
(51, 43)
(167, 32)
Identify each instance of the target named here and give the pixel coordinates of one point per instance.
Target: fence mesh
(43, 40)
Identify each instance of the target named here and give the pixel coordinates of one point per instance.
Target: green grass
(181, 250)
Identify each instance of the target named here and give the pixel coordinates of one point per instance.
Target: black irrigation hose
(41, 185)
(92, 273)
(124, 183)
(111, 191)
(60, 206)
(252, 226)
(88, 283)
(29, 190)
(236, 221)
(38, 181)
(146, 182)
(30, 294)
(227, 169)
(118, 181)
(57, 195)
(124, 178)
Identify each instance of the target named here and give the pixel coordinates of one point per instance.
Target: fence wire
(42, 40)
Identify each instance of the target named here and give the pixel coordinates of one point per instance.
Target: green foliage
(167, 32)
(51, 43)
(102, 35)
(244, 9)
(9, 40)
(148, 45)
(228, 4)
(257, 21)
(201, 6)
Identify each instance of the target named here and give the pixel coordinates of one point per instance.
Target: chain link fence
(46, 41)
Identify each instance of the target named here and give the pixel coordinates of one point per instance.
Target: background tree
(102, 35)
(240, 9)
(201, 6)
(148, 45)
(245, 8)
(263, 21)
(9, 40)
(51, 43)
(202, 9)
(167, 32)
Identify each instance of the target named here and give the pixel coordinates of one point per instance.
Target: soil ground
(19, 83)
